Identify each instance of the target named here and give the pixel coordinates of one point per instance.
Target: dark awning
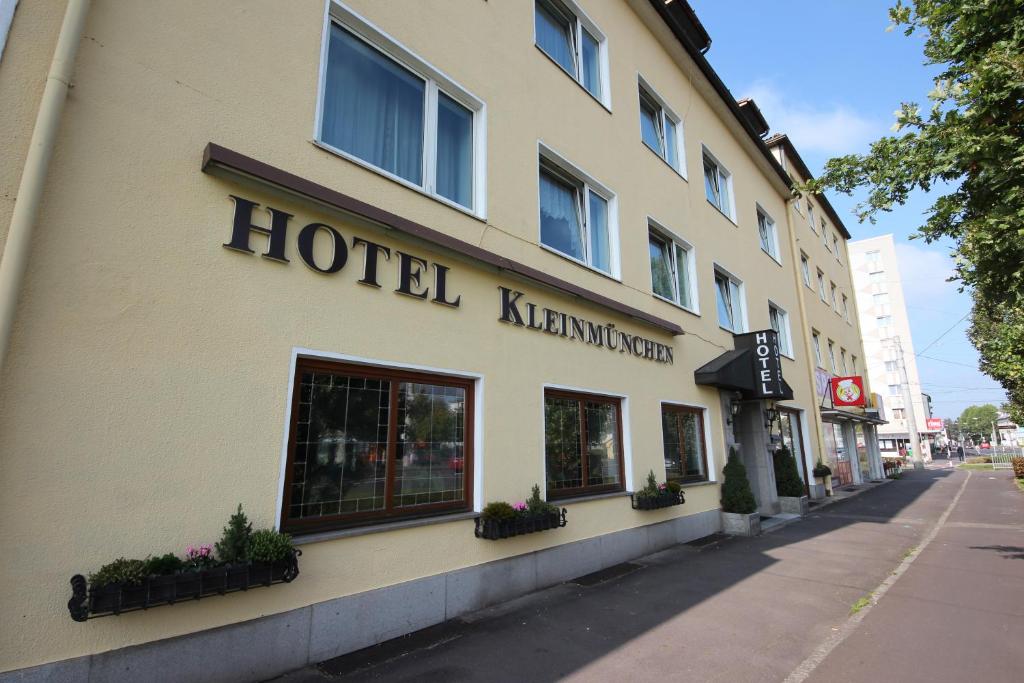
(835, 415)
(734, 370)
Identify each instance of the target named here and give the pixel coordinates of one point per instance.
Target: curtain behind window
(554, 36)
(560, 225)
(373, 108)
(454, 151)
(725, 316)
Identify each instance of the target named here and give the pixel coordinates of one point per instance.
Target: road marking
(841, 633)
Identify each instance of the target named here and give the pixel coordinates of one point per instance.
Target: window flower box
(89, 602)
(663, 499)
(494, 529)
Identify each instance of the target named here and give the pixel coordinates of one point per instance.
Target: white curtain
(373, 108)
(555, 37)
(560, 226)
(454, 151)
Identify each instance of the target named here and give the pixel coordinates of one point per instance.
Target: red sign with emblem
(848, 391)
(934, 424)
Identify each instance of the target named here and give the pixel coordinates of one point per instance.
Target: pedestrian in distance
(960, 452)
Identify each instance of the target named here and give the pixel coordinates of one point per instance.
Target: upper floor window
(892, 366)
(767, 234)
(895, 389)
(816, 343)
(835, 297)
(368, 444)
(796, 205)
(671, 268)
(805, 268)
(810, 217)
(729, 296)
(846, 308)
(779, 321)
(853, 364)
(874, 260)
(386, 109)
(821, 285)
(660, 129)
(842, 358)
(835, 248)
(824, 235)
(832, 357)
(565, 35)
(576, 215)
(717, 185)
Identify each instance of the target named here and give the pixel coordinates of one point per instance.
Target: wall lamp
(734, 407)
(771, 414)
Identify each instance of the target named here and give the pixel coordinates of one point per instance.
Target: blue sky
(828, 74)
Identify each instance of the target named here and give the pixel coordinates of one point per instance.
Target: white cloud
(923, 272)
(830, 130)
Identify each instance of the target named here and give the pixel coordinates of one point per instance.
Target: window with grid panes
(582, 444)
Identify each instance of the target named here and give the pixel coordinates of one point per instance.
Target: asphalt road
(772, 608)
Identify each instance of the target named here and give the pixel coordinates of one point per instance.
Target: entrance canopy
(836, 415)
(735, 371)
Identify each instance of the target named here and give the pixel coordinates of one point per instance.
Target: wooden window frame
(390, 512)
(699, 412)
(586, 490)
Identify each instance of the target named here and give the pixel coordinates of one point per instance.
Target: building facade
(889, 344)
(364, 267)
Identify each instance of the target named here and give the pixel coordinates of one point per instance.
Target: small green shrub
(498, 511)
(164, 564)
(119, 571)
(234, 542)
(736, 494)
(821, 470)
(650, 489)
(980, 460)
(1018, 466)
(673, 487)
(535, 505)
(267, 545)
(787, 478)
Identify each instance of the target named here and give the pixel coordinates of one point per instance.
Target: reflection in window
(582, 451)
(682, 431)
(574, 219)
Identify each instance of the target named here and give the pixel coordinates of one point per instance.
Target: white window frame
(835, 248)
(690, 266)
(740, 289)
(810, 217)
(824, 235)
(816, 343)
(805, 269)
(853, 364)
(665, 118)
(833, 290)
(435, 80)
(842, 358)
(724, 176)
(783, 317)
(798, 206)
(582, 22)
(773, 234)
(832, 356)
(821, 286)
(578, 176)
(846, 308)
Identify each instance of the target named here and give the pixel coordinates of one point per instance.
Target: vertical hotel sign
(766, 359)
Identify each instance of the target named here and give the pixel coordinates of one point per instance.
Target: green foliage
(821, 470)
(650, 489)
(267, 545)
(164, 564)
(969, 141)
(673, 487)
(498, 511)
(976, 421)
(119, 571)
(787, 478)
(535, 505)
(234, 542)
(736, 494)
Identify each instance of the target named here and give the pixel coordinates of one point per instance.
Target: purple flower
(519, 507)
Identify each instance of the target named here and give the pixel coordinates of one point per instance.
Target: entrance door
(792, 438)
(839, 459)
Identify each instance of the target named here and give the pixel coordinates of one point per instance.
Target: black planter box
(662, 500)
(494, 529)
(89, 602)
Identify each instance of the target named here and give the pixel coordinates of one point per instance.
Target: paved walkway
(772, 608)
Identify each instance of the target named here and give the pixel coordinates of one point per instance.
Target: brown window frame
(585, 490)
(390, 513)
(699, 412)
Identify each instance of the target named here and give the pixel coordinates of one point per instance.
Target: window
(767, 234)
(682, 432)
(729, 295)
(874, 259)
(792, 437)
(835, 248)
(368, 444)
(805, 269)
(810, 217)
(877, 277)
(821, 286)
(816, 340)
(832, 357)
(884, 320)
(575, 217)
(899, 413)
(853, 364)
(796, 205)
(892, 366)
(824, 234)
(660, 129)
(671, 269)
(779, 320)
(396, 115)
(880, 299)
(717, 185)
(582, 444)
(846, 308)
(842, 358)
(894, 390)
(573, 43)
(835, 297)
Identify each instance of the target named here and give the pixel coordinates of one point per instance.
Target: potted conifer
(739, 508)
(823, 472)
(788, 484)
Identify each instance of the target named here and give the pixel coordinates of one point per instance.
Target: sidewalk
(756, 609)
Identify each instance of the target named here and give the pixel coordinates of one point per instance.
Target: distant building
(886, 328)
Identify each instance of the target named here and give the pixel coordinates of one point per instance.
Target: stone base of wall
(269, 646)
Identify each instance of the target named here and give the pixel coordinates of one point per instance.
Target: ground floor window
(582, 443)
(682, 433)
(369, 444)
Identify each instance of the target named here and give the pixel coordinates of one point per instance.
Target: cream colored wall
(146, 388)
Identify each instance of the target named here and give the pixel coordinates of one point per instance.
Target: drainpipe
(33, 176)
(805, 333)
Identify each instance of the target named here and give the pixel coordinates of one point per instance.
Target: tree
(977, 420)
(970, 139)
(736, 494)
(787, 477)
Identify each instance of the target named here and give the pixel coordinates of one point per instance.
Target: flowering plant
(520, 506)
(199, 557)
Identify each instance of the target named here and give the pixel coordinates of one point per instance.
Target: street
(940, 550)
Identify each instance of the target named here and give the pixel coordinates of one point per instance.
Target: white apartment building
(885, 326)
